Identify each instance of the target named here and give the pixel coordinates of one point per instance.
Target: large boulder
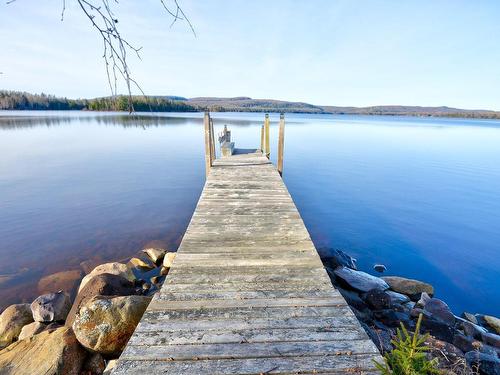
(410, 287)
(100, 285)
(359, 280)
(493, 323)
(156, 255)
(168, 260)
(35, 328)
(12, 320)
(51, 307)
(439, 310)
(105, 324)
(65, 280)
(48, 353)
(113, 268)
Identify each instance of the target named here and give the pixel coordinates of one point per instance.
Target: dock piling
(281, 143)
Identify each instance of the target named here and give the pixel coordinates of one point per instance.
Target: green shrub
(409, 355)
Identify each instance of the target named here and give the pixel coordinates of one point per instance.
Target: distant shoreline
(15, 100)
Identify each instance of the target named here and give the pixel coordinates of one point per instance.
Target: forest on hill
(16, 100)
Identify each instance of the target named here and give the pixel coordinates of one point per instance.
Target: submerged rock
(105, 324)
(113, 268)
(51, 307)
(359, 280)
(12, 321)
(66, 281)
(156, 255)
(380, 268)
(410, 287)
(101, 285)
(50, 353)
(142, 265)
(439, 310)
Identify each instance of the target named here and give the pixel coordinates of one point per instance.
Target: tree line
(16, 100)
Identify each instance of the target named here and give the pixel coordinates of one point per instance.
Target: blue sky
(349, 52)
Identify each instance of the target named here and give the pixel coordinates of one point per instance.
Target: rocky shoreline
(466, 344)
(55, 335)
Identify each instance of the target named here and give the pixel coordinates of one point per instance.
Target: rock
(397, 297)
(12, 321)
(105, 324)
(101, 285)
(378, 299)
(470, 317)
(493, 323)
(146, 287)
(410, 287)
(168, 259)
(110, 366)
(156, 255)
(381, 338)
(353, 299)
(424, 298)
(50, 353)
(439, 310)
(66, 281)
(447, 354)
(390, 317)
(142, 265)
(114, 268)
(491, 339)
(487, 363)
(157, 279)
(365, 316)
(465, 343)
(94, 364)
(471, 329)
(164, 271)
(438, 329)
(35, 328)
(51, 307)
(359, 280)
(336, 258)
(380, 268)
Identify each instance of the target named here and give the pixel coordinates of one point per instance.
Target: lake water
(421, 196)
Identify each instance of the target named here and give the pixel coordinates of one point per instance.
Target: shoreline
(381, 304)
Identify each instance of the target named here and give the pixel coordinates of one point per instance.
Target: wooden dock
(247, 293)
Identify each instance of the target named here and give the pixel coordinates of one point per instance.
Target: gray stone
(470, 317)
(359, 280)
(51, 307)
(465, 343)
(12, 321)
(336, 258)
(378, 299)
(488, 364)
(397, 297)
(439, 310)
(424, 298)
(410, 287)
(491, 339)
(353, 299)
(391, 318)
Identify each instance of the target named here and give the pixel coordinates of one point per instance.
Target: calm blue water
(421, 196)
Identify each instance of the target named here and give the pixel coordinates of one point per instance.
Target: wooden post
(281, 144)
(206, 124)
(212, 142)
(266, 131)
(262, 139)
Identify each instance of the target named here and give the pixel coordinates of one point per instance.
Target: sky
(332, 52)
